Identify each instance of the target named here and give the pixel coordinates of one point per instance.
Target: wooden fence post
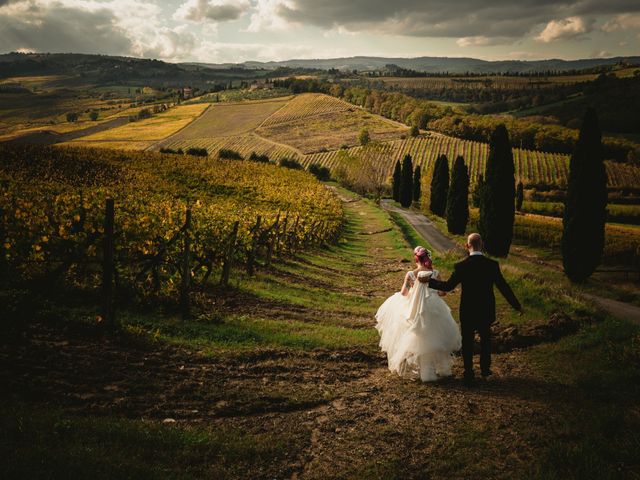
(186, 267)
(228, 259)
(3, 234)
(108, 267)
(251, 257)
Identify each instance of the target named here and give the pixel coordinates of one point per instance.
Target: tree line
(498, 197)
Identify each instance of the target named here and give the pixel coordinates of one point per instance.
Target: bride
(417, 330)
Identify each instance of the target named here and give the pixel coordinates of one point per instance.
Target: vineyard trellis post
(186, 266)
(108, 266)
(228, 258)
(3, 258)
(251, 257)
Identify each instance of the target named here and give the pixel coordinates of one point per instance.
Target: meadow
(141, 134)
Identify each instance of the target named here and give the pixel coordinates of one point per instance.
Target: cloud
(215, 10)
(563, 29)
(482, 41)
(463, 19)
(622, 22)
(28, 25)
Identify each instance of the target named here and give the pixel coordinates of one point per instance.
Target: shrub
(198, 152)
(290, 163)
(229, 154)
(320, 172)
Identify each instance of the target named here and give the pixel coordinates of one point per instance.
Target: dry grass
(155, 128)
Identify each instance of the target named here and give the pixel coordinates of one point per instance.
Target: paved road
(425, 227)
(442, 243)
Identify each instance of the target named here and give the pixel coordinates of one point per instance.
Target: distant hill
(439, 64)
(113, 69)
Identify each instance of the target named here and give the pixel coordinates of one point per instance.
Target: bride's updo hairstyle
(423, 257)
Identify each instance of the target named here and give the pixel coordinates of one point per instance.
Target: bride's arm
(406, 285)
(437, 277)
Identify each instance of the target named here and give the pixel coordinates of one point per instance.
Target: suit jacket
(477, 274)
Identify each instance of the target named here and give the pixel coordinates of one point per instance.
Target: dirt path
(424, 227)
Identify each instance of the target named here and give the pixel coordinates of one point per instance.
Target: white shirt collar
(473, 254)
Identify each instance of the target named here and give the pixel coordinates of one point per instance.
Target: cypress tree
(417, 184)
(476, 197)
(585, 207)
(458, 198)
(406, 186)
(397, 180)
(519, 196)
(440, 186)
(497, 206)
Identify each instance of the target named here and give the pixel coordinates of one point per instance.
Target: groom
(477, 274)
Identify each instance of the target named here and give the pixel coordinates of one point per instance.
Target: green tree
(440, 186)
(476, 196)
(397, 181)
(93, 115)
(364, 136)
(415, 131)
(417, 184)
(458, 198)
(519, 196)
(406, 186)
(586, 203)
(72, 117)
(497, 206)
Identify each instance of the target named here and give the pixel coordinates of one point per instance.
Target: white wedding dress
(418, 332)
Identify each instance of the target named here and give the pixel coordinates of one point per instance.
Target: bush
(172, 151)
(72, 117)
(144, 113)
(93, 115)
(290, 163)
(261, 158)
(228, 154)
(320, 172)
(198, 152)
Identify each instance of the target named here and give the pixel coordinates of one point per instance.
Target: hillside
(440, 64)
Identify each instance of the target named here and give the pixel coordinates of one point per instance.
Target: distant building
(187, 92)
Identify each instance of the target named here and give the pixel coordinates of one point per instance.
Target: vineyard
(314, 123)
(308, 105)
(53, 215)
(532, 167)
(243, 144)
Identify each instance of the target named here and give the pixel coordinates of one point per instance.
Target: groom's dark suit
(477, 274)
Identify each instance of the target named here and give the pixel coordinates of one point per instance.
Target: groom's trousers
(468, 340)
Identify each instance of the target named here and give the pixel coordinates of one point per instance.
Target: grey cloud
(445, 18)
(199, 10)
(63, 29)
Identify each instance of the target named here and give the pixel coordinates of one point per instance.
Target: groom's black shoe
(486, 373)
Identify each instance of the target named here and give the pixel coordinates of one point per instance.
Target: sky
(219, 31)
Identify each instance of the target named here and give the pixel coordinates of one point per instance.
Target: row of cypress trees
(406, 183)
(450, 198)
(498, 197)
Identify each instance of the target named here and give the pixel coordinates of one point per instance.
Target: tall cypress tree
(458, 198)
(476, 196)
(440, 186)
(586, 204)
(497, 206)
(417, 184)
(519, 196)
(406, 186)
(397, 180)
